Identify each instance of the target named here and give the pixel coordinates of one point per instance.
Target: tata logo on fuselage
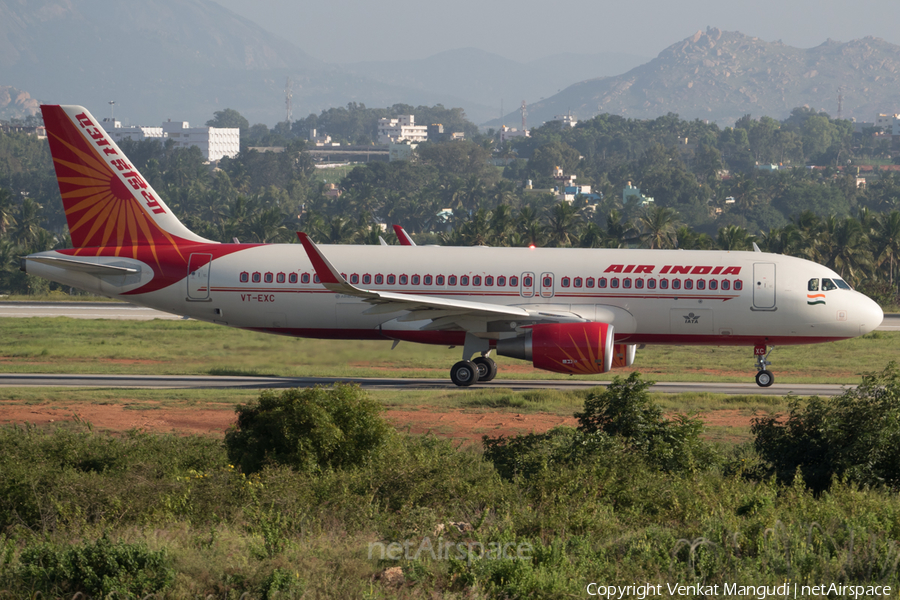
(673, 270)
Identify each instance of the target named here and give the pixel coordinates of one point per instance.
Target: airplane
(575, 311)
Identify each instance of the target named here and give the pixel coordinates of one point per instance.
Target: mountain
(179, 59)
(480, 80)
(16, 104)
(721, 76)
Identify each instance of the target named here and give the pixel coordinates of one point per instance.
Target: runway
(211, 382)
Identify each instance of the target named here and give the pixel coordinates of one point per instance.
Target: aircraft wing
(423, 306)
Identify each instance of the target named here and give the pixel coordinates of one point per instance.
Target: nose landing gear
(764, 377)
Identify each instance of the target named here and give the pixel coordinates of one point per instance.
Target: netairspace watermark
(443, 550)
(760, 592)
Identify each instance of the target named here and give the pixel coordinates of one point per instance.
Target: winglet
(404, 238)
(328, 275)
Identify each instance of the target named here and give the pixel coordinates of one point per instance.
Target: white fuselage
(650, 296)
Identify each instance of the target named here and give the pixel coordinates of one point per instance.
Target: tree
(658, 226)
(229, 118)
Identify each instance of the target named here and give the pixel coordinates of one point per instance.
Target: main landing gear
(479, 370)
(764, 377)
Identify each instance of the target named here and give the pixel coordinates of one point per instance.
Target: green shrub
(98, 569)
(855, 435)
(531, 454)
(310, 430)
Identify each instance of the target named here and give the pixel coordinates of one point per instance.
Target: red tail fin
(107, 202)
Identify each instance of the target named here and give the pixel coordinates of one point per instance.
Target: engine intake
(576, 348)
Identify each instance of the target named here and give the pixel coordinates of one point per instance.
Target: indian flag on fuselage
(813, 299)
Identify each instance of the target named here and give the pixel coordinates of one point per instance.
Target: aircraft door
(546, 285)
(527, 285)
(198, 276)
(764, 286)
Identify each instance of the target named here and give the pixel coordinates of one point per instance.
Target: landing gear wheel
(487, 368)
(464, 373)
(765, 378)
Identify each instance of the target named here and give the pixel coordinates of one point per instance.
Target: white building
(567, 120)
(507, 133)
(401, 129)
(401, 151)
(887, 123)
(214, 142)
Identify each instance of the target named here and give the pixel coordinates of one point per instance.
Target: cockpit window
(828, 285)
(842, 284)
(813, 285)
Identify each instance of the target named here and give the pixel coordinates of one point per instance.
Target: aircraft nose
(868, 313)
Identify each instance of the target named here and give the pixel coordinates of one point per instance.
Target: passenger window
(451, 280)
(245, 277)
(367, 279)
(565, 282)
(738, 285)
(663, 284)
(257, 278)
(439, 280)
(726, 285)
(315, 279)
(279, 278)
(304, 278)
(270, 278)
(379, 279)
(428, 279)
(688, 284)
(578, 282)
(404, 280)
(813, 285)
(547, 282)
(676, 284)
(489, 280)
(601, 282)
(614, 282)
(513, 281)
(626, 283)
(292, 278)
(639, 284)
(416, 279)
(701, 284)
(827, 285)
(589, 282)
(713, 284)
(527, 282)
(464, 280)
(651, 284)
(501, 280)
(391, 279)
(476, 280)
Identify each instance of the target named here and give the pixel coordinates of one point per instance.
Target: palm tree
(28, 224)
(563, 226)
(658, 226)
(7, 210)
(887, 239)
(734, 238)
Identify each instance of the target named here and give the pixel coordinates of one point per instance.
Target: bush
(622, 418)
(626, 411)
(98, 569)
(854, 436)
(309, 430)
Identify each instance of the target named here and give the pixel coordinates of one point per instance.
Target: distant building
(401, 129)
(567, 190)
(400, 151)
(633, 194)
(888, 122)
(507, 133)
(321, 140)
(39, 131)
(214, 142)
(567, 120)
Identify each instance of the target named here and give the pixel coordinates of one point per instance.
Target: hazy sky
(350, 31)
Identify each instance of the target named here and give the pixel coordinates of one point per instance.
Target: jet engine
(576, 348)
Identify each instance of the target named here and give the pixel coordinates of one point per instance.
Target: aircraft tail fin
(108, 204)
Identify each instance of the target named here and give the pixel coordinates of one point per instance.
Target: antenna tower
(112, 109)
(840, 101)
(524, 112)
(288, 100)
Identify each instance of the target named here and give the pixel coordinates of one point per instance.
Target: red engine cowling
(577, 348)
(623, 355)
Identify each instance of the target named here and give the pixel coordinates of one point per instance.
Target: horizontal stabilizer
(83, 266)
